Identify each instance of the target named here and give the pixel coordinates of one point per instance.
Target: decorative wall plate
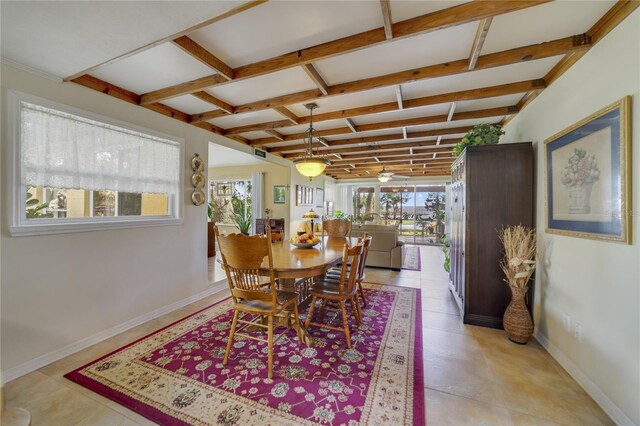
(197, 163)
(197, 180)
(198, 197)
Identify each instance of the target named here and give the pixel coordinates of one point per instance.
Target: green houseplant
(240, 215)
(482, 134)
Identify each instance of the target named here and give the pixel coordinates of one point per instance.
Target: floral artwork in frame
(588, 171)
(279, 194)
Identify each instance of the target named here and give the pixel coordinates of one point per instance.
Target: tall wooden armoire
(492, 187)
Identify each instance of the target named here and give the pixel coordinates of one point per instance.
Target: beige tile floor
(473, 375)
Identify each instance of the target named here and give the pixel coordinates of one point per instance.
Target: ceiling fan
(385, 176)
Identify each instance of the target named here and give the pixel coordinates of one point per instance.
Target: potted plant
(241, 214)
(518, 264)
(482, 134)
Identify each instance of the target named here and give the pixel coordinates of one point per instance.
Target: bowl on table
(304, 240)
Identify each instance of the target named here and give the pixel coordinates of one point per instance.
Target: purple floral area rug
(175, 376)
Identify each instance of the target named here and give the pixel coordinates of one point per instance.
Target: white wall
(59, 289)
(597, 283)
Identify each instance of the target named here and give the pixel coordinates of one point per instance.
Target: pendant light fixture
(310, 165)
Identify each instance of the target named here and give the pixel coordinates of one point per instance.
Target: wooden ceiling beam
(275, 134)
(445, 18)
(478, 41)
(375, 150)
(399, 97)
(618, 12)
(222, 105)
(378, 139)
(351, 125)
(402, 154)
(463, 95)
(393, 165)
(508, 57)
(353, 176)
(418, 121)
(315, 76)
(294, 119)
(204, 56)
(208, 115)
(128, 96)
(371, 162)
(189, 87)
(386, 17)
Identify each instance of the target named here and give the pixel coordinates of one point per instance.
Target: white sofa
(386, 250)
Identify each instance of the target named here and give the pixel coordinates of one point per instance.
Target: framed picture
(319, 197)
(588, 176)
(279, 194)
(224, 189)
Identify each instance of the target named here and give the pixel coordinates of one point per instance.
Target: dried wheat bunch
(519, 259)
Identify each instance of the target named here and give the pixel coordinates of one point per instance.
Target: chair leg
(323, 304)
(296, 318)
(364, 301)
(231, 335)
(345, 323)
(358, 306)
(313, 304)
(270, 346)
(355, 311)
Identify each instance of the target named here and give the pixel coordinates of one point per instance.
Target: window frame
(19, 225)
(247, 181)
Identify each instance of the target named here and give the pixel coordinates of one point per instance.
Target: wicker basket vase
(517, 320)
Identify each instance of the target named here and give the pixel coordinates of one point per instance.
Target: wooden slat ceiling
(410, 133)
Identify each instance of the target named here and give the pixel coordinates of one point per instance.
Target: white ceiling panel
(404, 114)
(453, 124)
(498, 101)
(156, 68)
(483, 78)
(236, 120)
(395, 131)
(221, 156)
(402, 9)
(542, 23)
(428, 49)
(189, 104)
(267, 86)
(279, 27)
(256, 135)
(66, 37)
(352, 100)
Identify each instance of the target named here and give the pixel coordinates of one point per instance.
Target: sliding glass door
(418, 211)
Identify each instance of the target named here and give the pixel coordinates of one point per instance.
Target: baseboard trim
(591, 388)
(46, 359)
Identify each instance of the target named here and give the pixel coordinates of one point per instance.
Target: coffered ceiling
(397, 82)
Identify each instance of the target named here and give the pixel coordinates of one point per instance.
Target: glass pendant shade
(384, 178)
(311, 166)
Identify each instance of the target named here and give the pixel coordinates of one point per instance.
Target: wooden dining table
(295, 267)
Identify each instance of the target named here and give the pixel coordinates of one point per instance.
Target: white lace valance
(61, 150)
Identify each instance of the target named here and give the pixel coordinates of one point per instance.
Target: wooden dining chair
(341, 291)
(334, 273)
(253, 295)
(336, 227)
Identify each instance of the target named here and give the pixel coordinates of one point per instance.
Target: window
(74, 171)
(231, 202)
